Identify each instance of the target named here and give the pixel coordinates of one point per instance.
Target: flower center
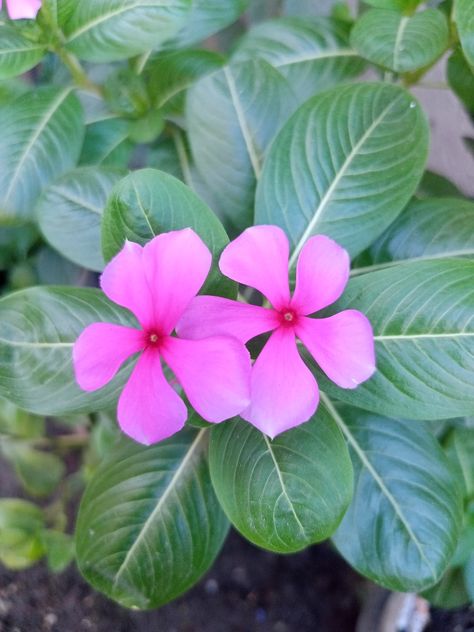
(152, 338)
(288, 317)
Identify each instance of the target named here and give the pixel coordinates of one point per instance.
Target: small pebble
(50, 619)
(211, 587)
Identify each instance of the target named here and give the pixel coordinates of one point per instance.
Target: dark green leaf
(285, 494)
(149, 202)
(106, 143)
(435, 185)
(344, 174)
(313, 54)
(460, 449)
(402, 526)
(41, 139)
(461, 79)
(450, 591)
(17, 54)
(232, 117)
(38, 327)
(149, 524)
(464, 18)
(70, 213)
(399, 42)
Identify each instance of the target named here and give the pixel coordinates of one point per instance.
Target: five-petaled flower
(156, 283)
(19, 9)
(284, 393)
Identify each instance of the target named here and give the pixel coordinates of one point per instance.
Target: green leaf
(109, 30)
(39, 472)
(169, 75)
(232, 117)
(402, 526)
(149, 202)
(21, 523)
(312, 54)
(450, 591)
(41, 139)
(70, 213)
(205, 18)
(460, 449)
(401, 43)
(435, 185)
(421, 313)
(435, 228)
(19, 423)
(463, 16)
(285, 494)
(469, 578)
(344, 174)
(38, 328)
(149, 524)
(59, 548)
(461, 79)
(398, 5)
(17, 54)
(106, 143)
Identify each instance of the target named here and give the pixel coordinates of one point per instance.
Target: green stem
(77, 71)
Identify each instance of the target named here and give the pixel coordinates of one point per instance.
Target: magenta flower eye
(157, 283)
(22, 9)
(284, 393)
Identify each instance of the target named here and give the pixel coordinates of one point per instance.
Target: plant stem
(77, 71)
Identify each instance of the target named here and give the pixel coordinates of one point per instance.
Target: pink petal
(284, 392)
(177, 264)
(212, 315)
(342, 345)
(124, 281)
(149, 410)
(214, 373)
(19, 9)
(322, 272)
(259, 258)
(100, 351)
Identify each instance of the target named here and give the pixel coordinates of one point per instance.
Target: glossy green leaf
(149, 524)
(70, 214)
(463, 16)
(348, 176)
(461, 79)
(399, 42)
(232, 117)
(421, 313)
(313, 54)
(108, 30)
(149, 202)
(106, 143)
(21, 523)
(285, 494)
(436, 228)
(17, 54)
(41, 139)
(402, 526)
(38, 328)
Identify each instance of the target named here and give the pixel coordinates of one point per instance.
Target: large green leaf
(149, 524)
(435, 228)
(41, 139)
(108, 30)
(70, 213)
(464, 17)
(422, 315)
(284, 494)
(232, 116)
(399, 42)
(17, 54)
(345, 164)
(38, 327)
(402, 526)
(149, 202)
(107, 143)
(313, 54)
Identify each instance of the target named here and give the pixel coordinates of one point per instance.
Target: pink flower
(157, 283)
(18, 9)
(284, 392)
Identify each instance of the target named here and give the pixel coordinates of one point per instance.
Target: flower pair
(159, 283)
(19, 9)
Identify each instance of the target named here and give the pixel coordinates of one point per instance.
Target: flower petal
(124, 281)
(177, 264)
(100, 351)
(19, 9)
(214, 373)
(322, 272)
(149, 410)
(342, 345)
(212, 315)
(284, 392)
(259, 258)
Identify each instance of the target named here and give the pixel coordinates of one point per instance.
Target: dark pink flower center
(288, 317)
(153, 339)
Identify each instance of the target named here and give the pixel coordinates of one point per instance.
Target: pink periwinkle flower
(284, 393)
(156, 283)
(19, 9)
